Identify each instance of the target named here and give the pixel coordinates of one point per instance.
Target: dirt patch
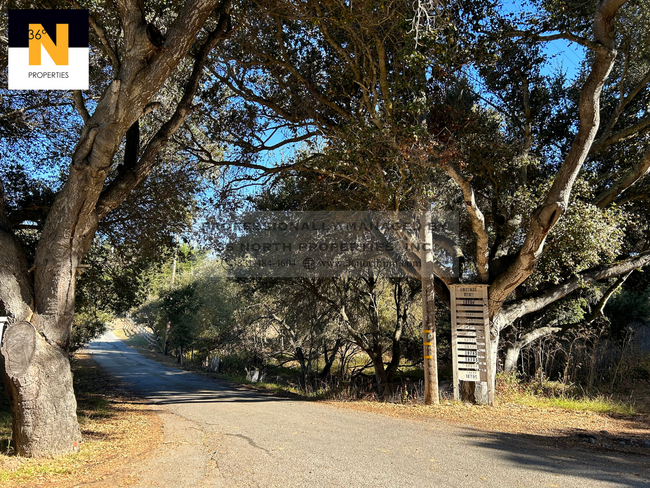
(118, 429)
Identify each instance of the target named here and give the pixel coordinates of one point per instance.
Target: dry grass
(117, 428)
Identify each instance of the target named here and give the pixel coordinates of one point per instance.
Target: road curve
(248, 439)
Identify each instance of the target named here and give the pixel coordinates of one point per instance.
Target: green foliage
(87, 325)
(585, 237)
(200, 307)
(179, 307)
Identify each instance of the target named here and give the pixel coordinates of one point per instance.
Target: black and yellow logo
(48, 49)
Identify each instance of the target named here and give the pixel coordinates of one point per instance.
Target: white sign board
(470, 336)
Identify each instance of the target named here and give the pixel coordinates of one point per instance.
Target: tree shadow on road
(165, 385)
(567, 455)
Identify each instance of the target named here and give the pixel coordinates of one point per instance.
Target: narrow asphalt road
(218, 436)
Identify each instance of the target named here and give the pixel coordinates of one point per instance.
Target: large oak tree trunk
(39, 384)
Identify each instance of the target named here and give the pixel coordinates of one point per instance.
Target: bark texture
(39, 383)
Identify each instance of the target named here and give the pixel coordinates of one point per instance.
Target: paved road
(225, 436)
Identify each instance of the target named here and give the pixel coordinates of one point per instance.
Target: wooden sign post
(470, 337)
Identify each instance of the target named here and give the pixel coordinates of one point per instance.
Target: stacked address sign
(470, 337)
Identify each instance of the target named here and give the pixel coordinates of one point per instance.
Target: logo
(48, 50)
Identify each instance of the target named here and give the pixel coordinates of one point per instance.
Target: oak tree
(548, 194)
(141, 48)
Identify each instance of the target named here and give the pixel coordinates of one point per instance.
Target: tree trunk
(38, 381)
(384, 388)
(512, 354)
(512, 357)
(329, 360)
(376, 352)
(40, 302)
(393, 366)
(401, 315)
(300, 357)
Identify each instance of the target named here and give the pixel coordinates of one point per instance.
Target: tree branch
(478, 221)
(597, 310)
(80, 105)
(546, 216)
(126, 181)
(634, 174)
(554, 37)
(621, 135)
(108, 49)
(623, 101)
(519, 308)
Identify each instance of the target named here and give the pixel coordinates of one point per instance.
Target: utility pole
(168, 326)
(431, 396)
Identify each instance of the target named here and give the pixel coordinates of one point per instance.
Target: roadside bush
(88, 325)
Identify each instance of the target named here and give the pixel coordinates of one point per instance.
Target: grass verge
(599, 404)
(542, 393)
(117, 430)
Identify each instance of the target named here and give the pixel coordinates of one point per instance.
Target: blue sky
(562, 54)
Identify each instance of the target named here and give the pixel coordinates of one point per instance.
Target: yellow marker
(428, 357)
(426, 331)
(427, 343)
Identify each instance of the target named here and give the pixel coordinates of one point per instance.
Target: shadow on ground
(164, 385)
(564, 456)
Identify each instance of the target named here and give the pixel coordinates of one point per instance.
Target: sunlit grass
(31, 469)
(542, 393)
(131, 339)
(599, 404)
